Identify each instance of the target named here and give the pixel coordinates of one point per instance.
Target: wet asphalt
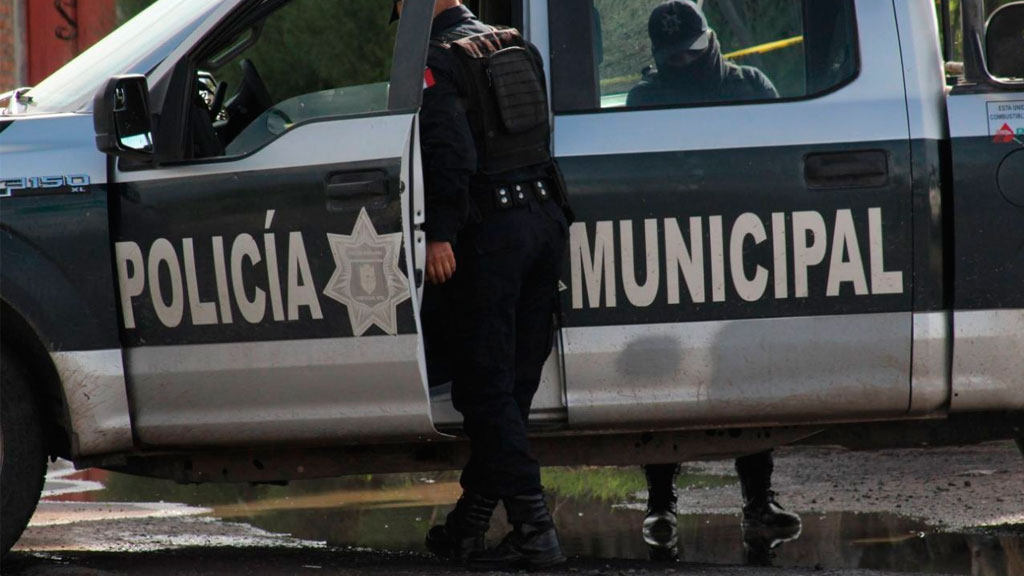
(939, 511)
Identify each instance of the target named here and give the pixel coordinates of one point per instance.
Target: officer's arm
(449, 154)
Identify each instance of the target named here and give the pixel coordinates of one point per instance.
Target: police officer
(690, 70)
(496, 227)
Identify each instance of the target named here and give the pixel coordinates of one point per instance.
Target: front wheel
(22, 452)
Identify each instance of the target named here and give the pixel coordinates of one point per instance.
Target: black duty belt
(512, 196)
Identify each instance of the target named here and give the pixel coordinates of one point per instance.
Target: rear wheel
(22, 452)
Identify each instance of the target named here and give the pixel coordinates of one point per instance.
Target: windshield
(134, 48)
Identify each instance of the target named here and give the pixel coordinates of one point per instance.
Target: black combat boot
(463, 530)
(763, 512)
(660, 525)
(760, 510)
(532, 544)
(759, 544)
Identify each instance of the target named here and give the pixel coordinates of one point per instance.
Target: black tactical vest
(506, 103)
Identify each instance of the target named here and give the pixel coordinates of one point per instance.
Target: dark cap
(394, 11)
(677, 25)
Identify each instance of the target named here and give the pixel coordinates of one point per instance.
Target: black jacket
(450, 167)
(709, 79)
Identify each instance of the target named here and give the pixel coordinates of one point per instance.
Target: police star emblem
(366, 277)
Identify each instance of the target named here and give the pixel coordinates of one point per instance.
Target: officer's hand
(440, 262)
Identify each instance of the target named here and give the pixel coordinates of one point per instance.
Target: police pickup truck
(212, 260)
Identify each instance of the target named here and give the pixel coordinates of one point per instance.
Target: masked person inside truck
(690, 67)
(692, 70)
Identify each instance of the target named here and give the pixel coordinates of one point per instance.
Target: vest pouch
(505, 99)
(515, 79)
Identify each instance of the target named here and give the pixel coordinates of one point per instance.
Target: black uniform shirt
(449, 152)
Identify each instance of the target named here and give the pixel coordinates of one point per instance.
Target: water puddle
(595, 509)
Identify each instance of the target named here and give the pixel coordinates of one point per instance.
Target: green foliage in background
(605, 484)
(313, 45)
(956, 23)
(127, 9)
(617, 485)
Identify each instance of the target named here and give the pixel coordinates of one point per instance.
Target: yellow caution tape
(765, 48)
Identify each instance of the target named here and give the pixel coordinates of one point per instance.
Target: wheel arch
(60, 319)
(20, 338)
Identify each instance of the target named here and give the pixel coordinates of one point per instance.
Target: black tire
(22, 452)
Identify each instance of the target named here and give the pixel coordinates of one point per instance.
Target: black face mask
(704, 73)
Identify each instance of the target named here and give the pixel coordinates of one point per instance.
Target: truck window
(304, 60)
(763, 50)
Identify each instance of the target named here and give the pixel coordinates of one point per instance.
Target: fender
(56, 304)
(57, 273)
(54, 232)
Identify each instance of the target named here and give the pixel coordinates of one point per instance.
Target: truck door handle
(346, 191)
(858, 169)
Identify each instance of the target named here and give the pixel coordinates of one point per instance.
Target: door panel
(267, 297)
(263, 304)
(315, 391)
(755, 371)
(763, 301)
(745, 263)
(221, 225)
(721, 219)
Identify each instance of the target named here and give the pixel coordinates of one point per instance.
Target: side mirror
(121, 118)
(1004, 41)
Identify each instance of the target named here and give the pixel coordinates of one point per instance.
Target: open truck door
(265, 231)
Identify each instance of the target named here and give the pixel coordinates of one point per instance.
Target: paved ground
(976, 490)
(952, 488)
(281, 562)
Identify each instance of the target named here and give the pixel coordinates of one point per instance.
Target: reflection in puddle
(394, 512)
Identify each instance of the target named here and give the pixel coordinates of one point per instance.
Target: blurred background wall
(39, 36)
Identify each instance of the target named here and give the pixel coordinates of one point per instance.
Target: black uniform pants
(754, 470)
(506, 282)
